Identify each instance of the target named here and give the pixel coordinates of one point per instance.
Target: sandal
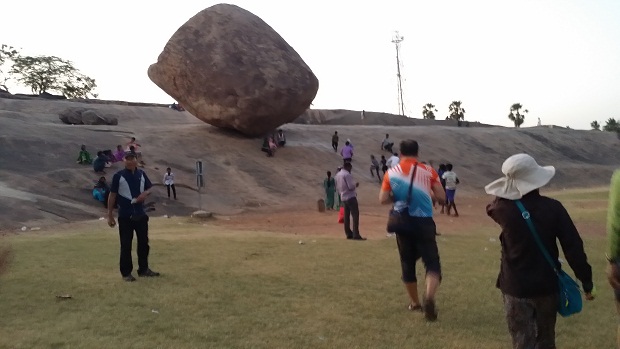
(414, 307)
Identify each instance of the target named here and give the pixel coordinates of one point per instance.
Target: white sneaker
(390, 235)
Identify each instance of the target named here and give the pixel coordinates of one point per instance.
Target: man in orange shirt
(419, 241)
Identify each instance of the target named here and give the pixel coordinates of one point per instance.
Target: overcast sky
(559, 58)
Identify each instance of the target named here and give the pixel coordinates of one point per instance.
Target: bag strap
(409, 193)
(526, 215)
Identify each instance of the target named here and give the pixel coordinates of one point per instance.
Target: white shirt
(392, 161)
(451, 179)
(169, 178)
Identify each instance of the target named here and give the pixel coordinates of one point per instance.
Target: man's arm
(111, 204)
(350, 182)
(613, 232)
(613, 217)
(147, 188)
(385, 194)
(572, 245)
(440, 194)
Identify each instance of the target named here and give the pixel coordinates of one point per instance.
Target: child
(169, 182)
(265, 148)
(84, 157)
(281, 138)
(451, 182)
(119, 154)
(374, 166)
(100, 163)
(272, 145)
(384, 166)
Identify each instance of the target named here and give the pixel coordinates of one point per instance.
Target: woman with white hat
(528, 282)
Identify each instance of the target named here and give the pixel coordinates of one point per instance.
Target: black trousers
(335, 146)
(126, 227)
(351, 209)
(174, 191)
(418, 243)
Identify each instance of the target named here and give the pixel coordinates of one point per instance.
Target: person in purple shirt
(346, 186)
(347, 152)
(119, 154)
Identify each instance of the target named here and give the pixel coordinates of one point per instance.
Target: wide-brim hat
(522, 175)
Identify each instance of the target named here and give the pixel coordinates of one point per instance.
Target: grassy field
(231, 289)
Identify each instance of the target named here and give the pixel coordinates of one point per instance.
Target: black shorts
(418, 243)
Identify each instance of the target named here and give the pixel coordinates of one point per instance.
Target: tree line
(611, 125)
(44, 74)
(457, 112)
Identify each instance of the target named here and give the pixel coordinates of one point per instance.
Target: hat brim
(516, 188)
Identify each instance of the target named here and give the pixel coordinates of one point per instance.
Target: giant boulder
(230, 69)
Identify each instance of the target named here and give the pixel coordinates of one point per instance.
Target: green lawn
(227, 289)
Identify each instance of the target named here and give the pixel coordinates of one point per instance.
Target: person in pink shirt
(347, 152)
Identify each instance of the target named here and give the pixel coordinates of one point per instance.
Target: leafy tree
(611, 125)
(456, 111)
(595, 125)
(51, 73)
(428, 111)
(7, 54)
(515, 114)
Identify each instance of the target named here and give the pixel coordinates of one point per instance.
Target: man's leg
(520, 316)
(125, 231)
(408, 257)
(355, 212)
(427, 249)
(546, 314)
(347, 220)
(174, 191)
(168, 190)
(142, 235)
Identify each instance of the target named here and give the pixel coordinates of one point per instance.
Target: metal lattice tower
(396, 40)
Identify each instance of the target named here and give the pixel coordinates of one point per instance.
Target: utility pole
(396, 40)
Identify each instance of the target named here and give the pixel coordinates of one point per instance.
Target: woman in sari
(329, 184)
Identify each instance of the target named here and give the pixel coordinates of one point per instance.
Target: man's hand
(142, 196)
(613, 275)
(111, 221)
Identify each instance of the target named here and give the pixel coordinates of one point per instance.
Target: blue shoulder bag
(570, 294)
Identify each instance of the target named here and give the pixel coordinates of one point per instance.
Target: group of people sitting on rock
(105, 158)
(273, 142)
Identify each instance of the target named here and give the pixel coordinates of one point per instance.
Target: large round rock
(230, 69)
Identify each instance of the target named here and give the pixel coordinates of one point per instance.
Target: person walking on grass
(528, 283)
(346, 186)
(169, 182)
(613, 238)
(130, 188)
(335, 141)
(329, 184)
(452, 180)
(419, 239)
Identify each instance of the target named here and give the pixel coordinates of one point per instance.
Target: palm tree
(515, 114)
(611, 125)
(595, 125)
(428, 111)
(456, 111)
